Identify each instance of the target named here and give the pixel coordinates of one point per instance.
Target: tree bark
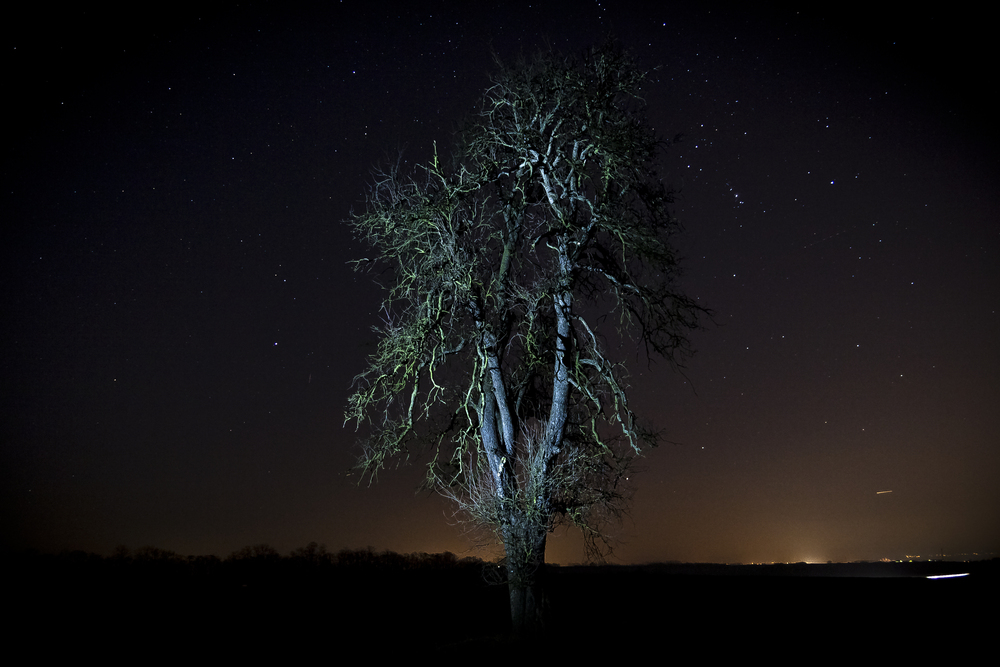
(526, 533)
(526, 580)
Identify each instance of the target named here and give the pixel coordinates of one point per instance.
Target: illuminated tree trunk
(528, 526)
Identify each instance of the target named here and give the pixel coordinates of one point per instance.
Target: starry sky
(180, 326)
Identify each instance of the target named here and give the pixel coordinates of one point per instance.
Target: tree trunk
(525, 581)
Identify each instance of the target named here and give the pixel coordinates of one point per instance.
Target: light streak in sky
(879, 493)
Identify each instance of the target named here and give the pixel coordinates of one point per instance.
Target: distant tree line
(256, 566)
(312, 555)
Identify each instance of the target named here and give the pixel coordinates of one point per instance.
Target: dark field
(270, 609)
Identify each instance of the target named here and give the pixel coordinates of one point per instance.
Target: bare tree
(511, 266)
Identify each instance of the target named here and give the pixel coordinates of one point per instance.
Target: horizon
(313, 548)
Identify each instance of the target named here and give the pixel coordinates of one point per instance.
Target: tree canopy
(509, 265)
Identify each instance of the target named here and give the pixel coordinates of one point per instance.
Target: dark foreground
(277, 609)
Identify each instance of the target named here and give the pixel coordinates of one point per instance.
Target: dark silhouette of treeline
(313, 565)
(256, 566)
(312, 556)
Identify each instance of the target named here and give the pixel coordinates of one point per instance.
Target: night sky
(180, 326)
